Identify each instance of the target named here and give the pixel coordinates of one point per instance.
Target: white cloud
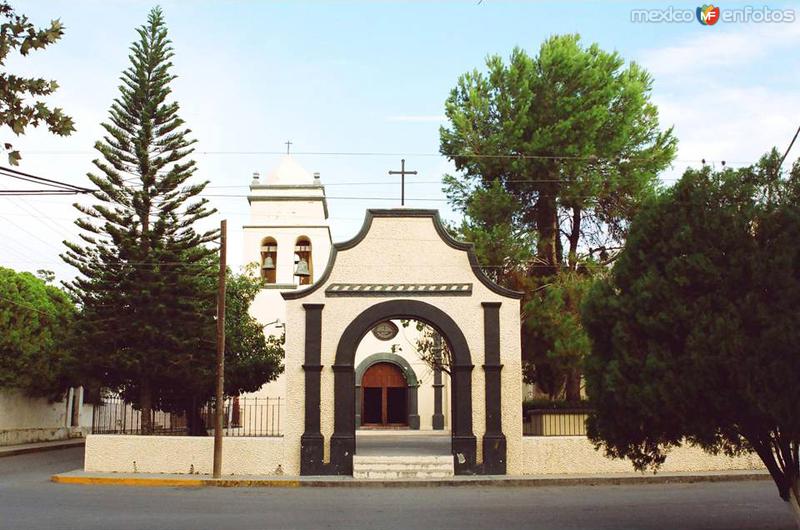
(710, 50)
(728, 94)
(735, 124)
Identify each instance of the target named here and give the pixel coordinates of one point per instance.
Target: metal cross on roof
(402, 174)
(288, 145)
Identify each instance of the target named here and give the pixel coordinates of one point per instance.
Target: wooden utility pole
(218, 401)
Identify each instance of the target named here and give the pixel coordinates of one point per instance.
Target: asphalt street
(29, 501)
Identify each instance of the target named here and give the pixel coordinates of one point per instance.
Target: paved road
(29, 501)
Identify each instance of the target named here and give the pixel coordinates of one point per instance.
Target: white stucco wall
(383, 257)
(25, 419)
(285, 221)
(182, 454)
(565, 455)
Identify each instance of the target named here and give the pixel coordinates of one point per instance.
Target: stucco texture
(565, 455)
(111, 453)
(24, 419)
(404, 250)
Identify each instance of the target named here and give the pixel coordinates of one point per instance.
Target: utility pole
(218, 402)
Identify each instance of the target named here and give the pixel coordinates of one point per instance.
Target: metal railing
(243, 416)
(555, 422)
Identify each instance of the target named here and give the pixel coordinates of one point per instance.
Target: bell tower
(287, 235)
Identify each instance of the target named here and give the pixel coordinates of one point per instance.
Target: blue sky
(371, 77)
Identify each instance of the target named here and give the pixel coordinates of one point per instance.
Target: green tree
(555, 341)
(251, 358)
(566, 144)
(19, 107)
(695, 333)
(35, 325)
(142, 264)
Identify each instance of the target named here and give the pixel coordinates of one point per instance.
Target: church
(289, 239)
(374, 343)
(394, 368)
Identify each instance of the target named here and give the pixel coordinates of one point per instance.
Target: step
(402, 467)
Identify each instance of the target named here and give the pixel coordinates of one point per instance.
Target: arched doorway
(343, 442)
(384, 401)
(409, 377)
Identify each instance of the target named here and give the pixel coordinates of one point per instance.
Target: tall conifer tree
(145, 306)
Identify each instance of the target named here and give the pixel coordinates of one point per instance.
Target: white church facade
(288, 237)
(353, 367)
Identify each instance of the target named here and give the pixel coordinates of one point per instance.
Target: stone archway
(411, 380)
(343, 442)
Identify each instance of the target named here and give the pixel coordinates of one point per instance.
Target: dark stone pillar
(343, 441)
(359, 401)
(464, 443)
(311, 442)
(494, 441)
(413, 415)
(438, 418)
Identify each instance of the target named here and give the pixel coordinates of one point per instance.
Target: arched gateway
(403, 264)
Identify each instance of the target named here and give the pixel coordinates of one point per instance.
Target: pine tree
(554, 151)
(145, 306)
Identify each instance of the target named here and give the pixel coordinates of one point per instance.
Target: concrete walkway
(38, 447)
(195, 481)
(402, 443)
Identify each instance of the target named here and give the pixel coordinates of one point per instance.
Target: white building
(288, 232)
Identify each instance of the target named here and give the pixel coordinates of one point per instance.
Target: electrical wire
(27, 177)
(521, 156)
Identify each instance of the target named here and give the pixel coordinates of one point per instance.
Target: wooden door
(385, 396)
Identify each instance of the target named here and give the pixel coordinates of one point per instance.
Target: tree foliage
(695, 333)
(554, 154)
(35, 325)
(555, 341)
(19, 106)
(251, 358)
(142, 288)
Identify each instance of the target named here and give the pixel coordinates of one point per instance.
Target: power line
(521, 156)
(26, 306)
(788, 149)
(59, 186)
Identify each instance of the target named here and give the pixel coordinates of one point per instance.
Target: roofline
(298, 198)
(449, 240)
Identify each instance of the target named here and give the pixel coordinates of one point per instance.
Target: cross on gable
(402, 174)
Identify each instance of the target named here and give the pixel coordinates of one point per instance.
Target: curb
(42, 448)
(169, 482)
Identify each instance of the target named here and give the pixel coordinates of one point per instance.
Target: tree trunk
(794, 501)
(573, 390)
(547, 226)
(146, 403)
(574, 238)
(195, 424)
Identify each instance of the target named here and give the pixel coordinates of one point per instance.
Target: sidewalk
(38, 447)
(195, 481)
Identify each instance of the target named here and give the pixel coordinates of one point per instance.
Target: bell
(268, 263)
(302, 268)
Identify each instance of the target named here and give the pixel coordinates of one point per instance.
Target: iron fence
(243, 416)
(555, 422)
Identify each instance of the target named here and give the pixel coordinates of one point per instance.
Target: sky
(365, 84)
